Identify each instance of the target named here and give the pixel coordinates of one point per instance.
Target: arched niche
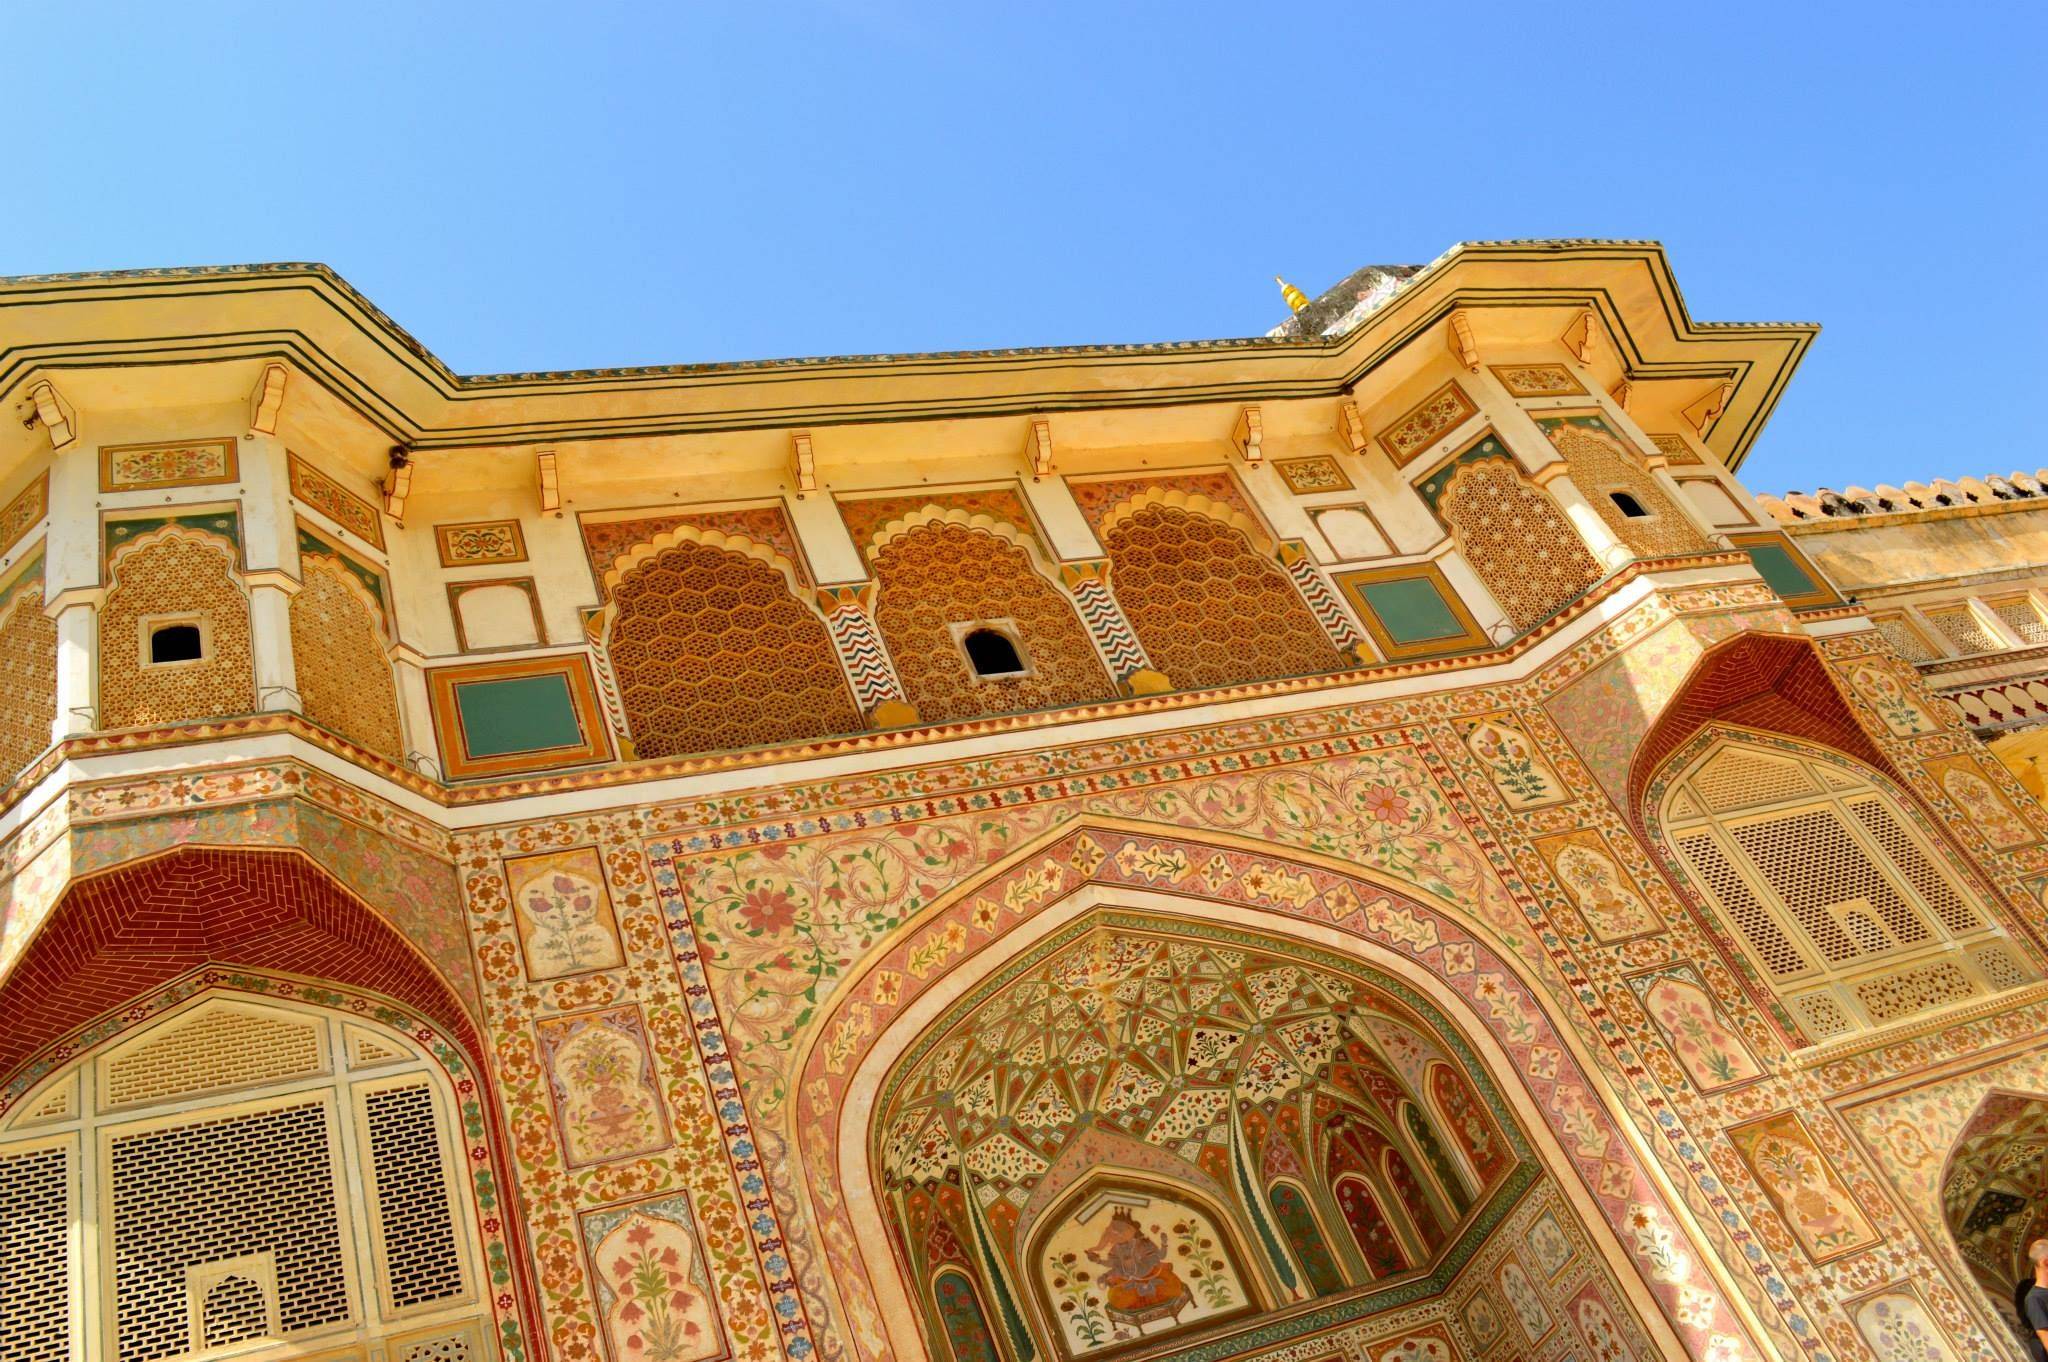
(1994, 1192)
(947, 583)
(1836, 892)
(256, 1164)
(132, 945)
(1002, 1180)
(1210, 606)
(716, 645)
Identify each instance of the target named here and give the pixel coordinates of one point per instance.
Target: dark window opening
(992, 653)
(1630, 507)
(174, 643)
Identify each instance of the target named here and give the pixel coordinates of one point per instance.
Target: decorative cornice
(307, 315)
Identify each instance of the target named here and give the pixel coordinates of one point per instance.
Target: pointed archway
(127, 945)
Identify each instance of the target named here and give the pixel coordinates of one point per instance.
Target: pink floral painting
(1713, 1055)
(563, 913)
(653, 1290)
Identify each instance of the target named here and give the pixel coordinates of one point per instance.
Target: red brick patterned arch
(122, 944)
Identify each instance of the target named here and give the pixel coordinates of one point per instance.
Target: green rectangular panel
(1781, 570)
(1412, 610)
(517, 714)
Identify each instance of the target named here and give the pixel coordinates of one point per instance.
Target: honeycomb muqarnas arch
(848, 1097)
(1152, 1130)
(713, 649)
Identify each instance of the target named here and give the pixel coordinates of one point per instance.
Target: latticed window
(239, 1175)
(1844, 906)
(2019, 614)
(1962, 626)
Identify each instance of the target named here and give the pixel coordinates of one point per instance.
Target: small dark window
(174, 643)
(992, 653)
(1630, 507)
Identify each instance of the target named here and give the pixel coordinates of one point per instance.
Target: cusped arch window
(257, 1178)
(714, 651)
(1838, 896)
(1143, 1134)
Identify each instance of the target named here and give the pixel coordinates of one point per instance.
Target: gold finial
(1296, 299)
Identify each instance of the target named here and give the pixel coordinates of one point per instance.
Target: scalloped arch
(1197, 503)
(166, 534)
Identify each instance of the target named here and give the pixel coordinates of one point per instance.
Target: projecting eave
(133, 338)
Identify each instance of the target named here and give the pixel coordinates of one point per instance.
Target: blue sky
(538, 187)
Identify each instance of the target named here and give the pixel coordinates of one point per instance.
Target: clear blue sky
(539, 187)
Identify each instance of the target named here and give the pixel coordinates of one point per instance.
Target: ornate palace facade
(1361, 843)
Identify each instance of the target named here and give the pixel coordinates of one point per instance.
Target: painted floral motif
(1427, 1347)
(1435, 416)
(1537, 380)
(1549, 1249)
(1524, 780)
(1482, 1317)
(1307, 476)
(1612, 906)
(1897, 1327)
(1596, 1326)
(1714, 1056)
(1888, 697)
(1803, 1186)
(653, 1289)
(128, 468)
(339, 504)
(564, 913)
(1992, 815)
(602, 1080)
(1524, 1300)
(490, 541)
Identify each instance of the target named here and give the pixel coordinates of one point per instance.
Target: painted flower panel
(564, 913)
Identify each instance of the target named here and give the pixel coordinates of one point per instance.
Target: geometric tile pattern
(1518, 541)
(177, 572)
(712, 652)
(940, 575)
(1252, 622)
(344, 674)
(28, 675)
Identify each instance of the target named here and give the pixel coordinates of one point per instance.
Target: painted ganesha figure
(1139, 1285)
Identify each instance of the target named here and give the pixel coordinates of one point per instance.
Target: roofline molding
(309, 316)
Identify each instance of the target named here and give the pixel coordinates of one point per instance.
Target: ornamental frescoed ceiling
(1150, 1037)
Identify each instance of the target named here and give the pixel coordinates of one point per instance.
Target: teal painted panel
(517, 714)
(1781, 570)
(1412, 610)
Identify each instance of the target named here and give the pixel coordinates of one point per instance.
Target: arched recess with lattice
(713, 649)
(324, 988)
(1210, 609)
(28, 674)
(1600, 467)
(174, 574)
(941, 575)
(208, 1153)
(1844, 900)
(1517, 539)
(338, 652)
